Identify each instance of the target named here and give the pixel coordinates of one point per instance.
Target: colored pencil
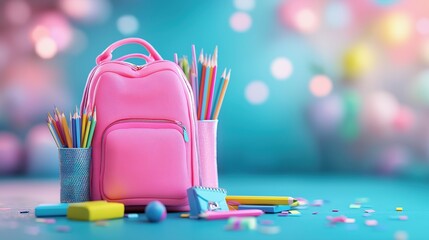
(176, 59)
(212, 85)
(54, 135)
(73, 124)
(66, 131)
(87, 128)
(84, 121)
(91, 132)
(195, 76)
(78, 129)
(202, 80)
(218, 88)
(222, 95)
(206, 88)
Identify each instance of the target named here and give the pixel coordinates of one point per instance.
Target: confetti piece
(399, 209)
(269, 229)
(267, 222)
(335, 210)
(294, 212)
(317, 203)
(63, 228)
(184, 215)
(401, 235)
(314, 213)
(371, 222)
(241, 223)
(366, 214)
(403, 218)
(50, 221)
(362, 200)
(101, 223)
(24, 211)
(334, 220)
(353, 205)
(370, 211)
(40, 220)
(132, 215)
(350, 220)
(32, 231)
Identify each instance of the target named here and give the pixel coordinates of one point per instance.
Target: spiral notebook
(203, 199)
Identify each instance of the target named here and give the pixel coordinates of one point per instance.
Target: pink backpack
(144, 146)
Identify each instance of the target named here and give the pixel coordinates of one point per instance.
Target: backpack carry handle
(106, 55)
(148, 59)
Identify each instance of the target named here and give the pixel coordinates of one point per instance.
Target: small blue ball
(155, 211)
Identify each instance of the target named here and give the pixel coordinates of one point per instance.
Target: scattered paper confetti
(399, 209)
(370, 211)
(317, 203)
(269, 229)
(24, 211)
(241, 223)
(101, 223)
(184, 215)
(134, 215)
(63, 228)
(267, 222)
(401, 235)
(335, 210)
(314, 213)
(371, 222)
(354, 205)
(334, 220)
(32, 230)
(362, 200)
(366, 214)
(402, 217)
(350, 220)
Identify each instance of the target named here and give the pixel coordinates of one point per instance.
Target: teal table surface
(338, 192)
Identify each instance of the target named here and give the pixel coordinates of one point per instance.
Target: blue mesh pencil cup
(74, 174)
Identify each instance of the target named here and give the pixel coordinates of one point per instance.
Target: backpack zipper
(178, 123)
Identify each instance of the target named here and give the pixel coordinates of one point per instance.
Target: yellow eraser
(95, 210)
(399, 209)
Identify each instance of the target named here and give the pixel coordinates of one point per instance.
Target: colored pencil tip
(229, 74)
(224, 74)
(215, 55)
(201, 58)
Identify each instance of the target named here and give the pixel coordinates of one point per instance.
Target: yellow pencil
(222, 95)
(87, 128)
(84, 121)
(66, 131)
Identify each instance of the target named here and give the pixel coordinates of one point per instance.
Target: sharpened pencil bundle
(75, 133)
(207, 90)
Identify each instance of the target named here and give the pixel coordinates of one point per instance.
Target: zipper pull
(185, 134)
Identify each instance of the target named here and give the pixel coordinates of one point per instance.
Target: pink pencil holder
(207, 144)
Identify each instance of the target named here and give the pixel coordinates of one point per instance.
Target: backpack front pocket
(145, 159)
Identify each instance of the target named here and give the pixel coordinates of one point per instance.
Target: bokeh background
(317, 86)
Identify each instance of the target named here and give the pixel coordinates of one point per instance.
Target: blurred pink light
(404, 119)
(55, 26)
(422, 26)
(90, 11)
(240, 21)
(17, 11)
(302, 16)
(10, 153)
(320, 85)
(46, 48)
(380, 110)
